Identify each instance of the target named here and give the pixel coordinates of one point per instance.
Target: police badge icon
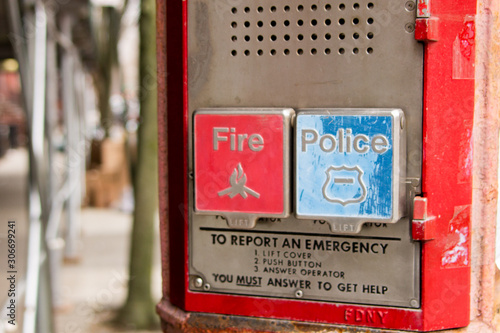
(344, 185)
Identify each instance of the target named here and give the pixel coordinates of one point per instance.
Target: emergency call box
(321, 174)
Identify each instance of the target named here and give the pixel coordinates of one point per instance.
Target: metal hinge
(426, 26)
(423, 226)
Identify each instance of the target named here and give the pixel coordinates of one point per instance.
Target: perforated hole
(321, 29)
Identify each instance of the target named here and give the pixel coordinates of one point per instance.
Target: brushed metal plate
(365, 56)
(302, 259)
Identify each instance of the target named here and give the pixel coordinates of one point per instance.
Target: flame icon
(238, 180)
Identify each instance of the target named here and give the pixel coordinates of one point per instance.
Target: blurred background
(78, 166)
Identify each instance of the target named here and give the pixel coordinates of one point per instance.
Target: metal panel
(302, 259)
(265, 53)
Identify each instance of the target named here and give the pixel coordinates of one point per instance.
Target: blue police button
(350, 166)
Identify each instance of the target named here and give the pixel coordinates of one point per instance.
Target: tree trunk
(107, 59)
(139, 309)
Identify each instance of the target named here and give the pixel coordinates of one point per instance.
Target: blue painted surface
(332, 182)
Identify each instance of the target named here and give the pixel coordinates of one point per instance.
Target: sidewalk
(96, 285)
(89, 289)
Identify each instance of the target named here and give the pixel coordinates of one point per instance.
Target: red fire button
(242, 163)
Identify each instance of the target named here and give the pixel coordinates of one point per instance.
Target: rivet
(198, 282)
(414, 303)
(206, 287)
(299, 294)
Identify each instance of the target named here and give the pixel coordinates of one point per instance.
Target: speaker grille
(300, 29)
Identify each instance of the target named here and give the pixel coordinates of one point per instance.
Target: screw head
(299, 294)
(414, 303)
(198, 282)
(410, 27)
(410, 6)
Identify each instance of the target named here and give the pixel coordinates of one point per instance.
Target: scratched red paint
(422, 8)
(467, 39)
(457, 248)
